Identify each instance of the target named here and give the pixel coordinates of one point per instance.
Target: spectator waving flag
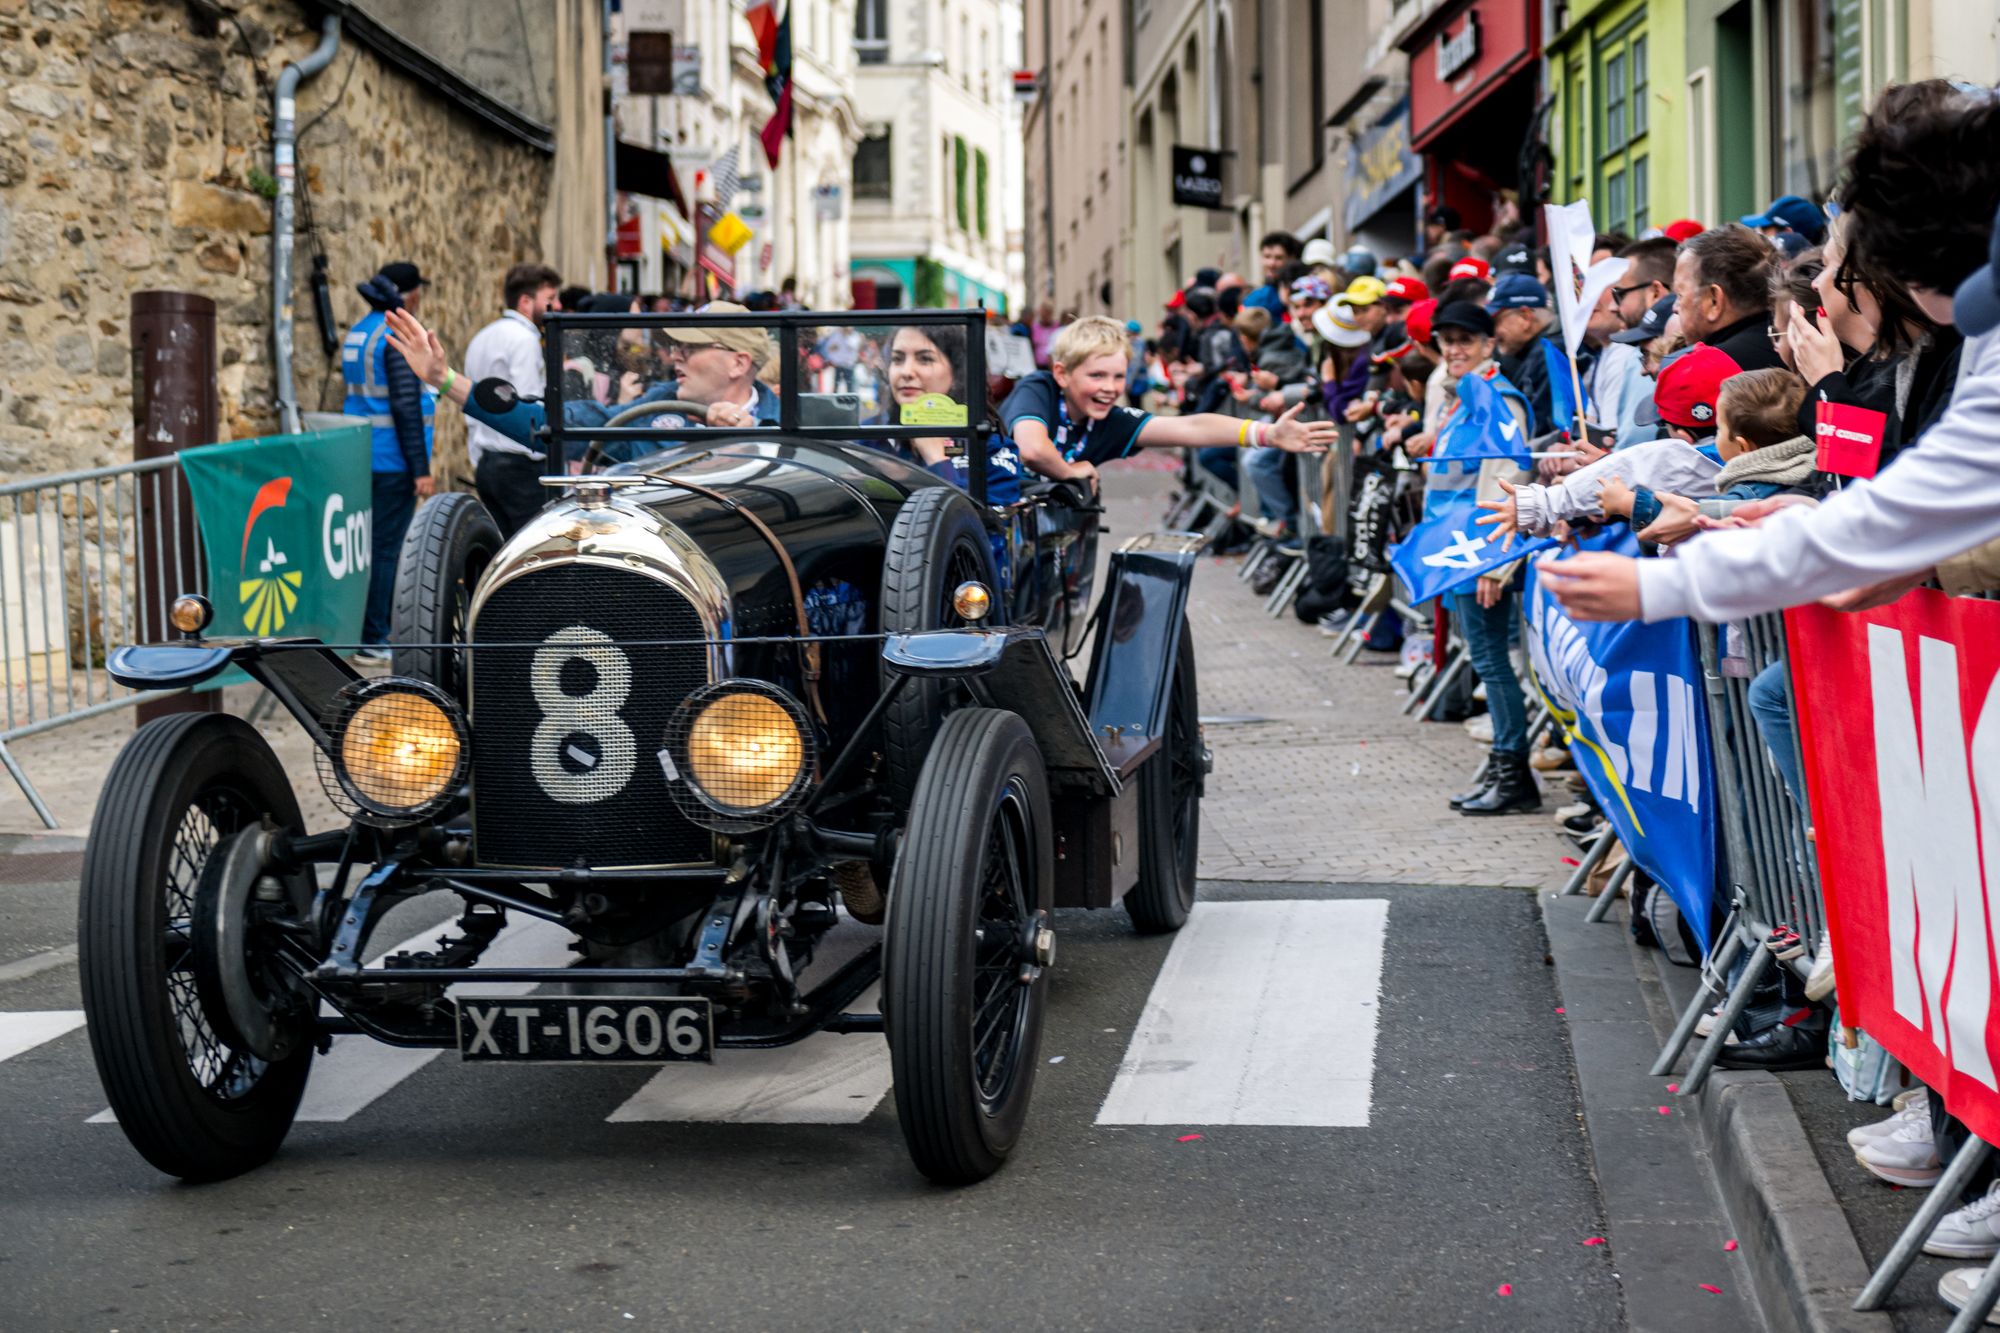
(1447, 552)
(1578, 283)
(1482, 426)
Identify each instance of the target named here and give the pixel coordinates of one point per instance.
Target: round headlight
(744, 751)
(398, 750)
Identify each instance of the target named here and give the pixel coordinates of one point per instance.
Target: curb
(1799, 1256)
(1806, 1262)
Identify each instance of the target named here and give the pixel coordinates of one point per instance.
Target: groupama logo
(271, 594)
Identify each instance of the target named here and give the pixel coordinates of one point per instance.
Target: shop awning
(649, 172)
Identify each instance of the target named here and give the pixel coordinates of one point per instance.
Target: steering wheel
(594, 455)
(659, 408)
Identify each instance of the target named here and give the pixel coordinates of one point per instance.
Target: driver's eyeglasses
(1618, 294)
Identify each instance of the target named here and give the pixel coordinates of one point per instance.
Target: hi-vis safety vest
(364, 366)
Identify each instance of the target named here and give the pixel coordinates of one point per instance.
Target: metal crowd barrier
(1773, 870)
(77, 550)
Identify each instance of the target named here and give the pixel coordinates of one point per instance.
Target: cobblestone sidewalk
(1336, 785)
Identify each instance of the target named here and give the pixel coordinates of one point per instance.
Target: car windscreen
(885, 376)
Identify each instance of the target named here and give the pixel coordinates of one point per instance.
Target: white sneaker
(1862, 1135)
(1819, 982)
(1973, 1232)
(373, 656)
(1909, 1097)
(1480, 728)
(1479, 691)
(1906, 1157)
(1706, 1027)
(1955, 1289)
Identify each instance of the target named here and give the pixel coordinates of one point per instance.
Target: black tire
(1170, 790)
(449, 545)
(972, 886)
(936, 543)
(190, 1105)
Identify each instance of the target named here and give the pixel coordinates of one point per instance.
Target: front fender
(303, 674)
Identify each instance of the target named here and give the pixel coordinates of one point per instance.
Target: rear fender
(1138, 638)
(303, 674)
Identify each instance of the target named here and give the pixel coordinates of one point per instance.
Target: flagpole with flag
(774, 55)
(1579, 284)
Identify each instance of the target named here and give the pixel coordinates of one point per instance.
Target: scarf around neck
(1787, 463)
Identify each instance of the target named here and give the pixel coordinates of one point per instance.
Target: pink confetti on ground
(1666, 1110)
(1571, 861)
(1711, 1290)
(1673, 1087)
(1506, 1289)
(1187, 1138)
(1561, 1010)
(1729, 1247)
(1595, 1240)
(1895, 1187)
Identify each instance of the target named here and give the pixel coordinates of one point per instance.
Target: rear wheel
(937, 543)
(1170, 789)
(192, 1104)
(448, 547)
(964, 984)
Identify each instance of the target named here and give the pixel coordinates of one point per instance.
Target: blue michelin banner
(1630, 697)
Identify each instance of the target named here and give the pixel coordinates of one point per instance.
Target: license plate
(584, 1029)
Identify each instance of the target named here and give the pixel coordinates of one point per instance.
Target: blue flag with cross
(1448, 551)
(1483, 426)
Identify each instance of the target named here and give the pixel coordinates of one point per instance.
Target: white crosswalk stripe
(1264, 1014)
(357, 1071)
(24, 1031)
(827, 1079)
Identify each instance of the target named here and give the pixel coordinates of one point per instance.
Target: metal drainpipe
(610, 162)
(1048, 111)
(284, 139)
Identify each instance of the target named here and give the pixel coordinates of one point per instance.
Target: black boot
(1487, 775)
(1513, 789)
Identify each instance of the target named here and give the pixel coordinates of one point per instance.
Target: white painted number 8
(599, 768)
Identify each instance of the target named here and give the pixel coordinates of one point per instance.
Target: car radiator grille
(571, 694)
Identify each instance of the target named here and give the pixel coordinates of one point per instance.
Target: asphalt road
(1389, 1137)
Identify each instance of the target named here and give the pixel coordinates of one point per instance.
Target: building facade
(798, 212)
(140, 156)
(1186, 98)
(1625, 114)
(940, 156)
(1080, 216)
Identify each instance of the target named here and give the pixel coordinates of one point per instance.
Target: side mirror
(495, 395)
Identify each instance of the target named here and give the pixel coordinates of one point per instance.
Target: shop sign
(687, 71)
(1380, 166)
(1197, 177)
(1457, 50)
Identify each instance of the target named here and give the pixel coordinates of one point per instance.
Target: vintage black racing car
(701, 709)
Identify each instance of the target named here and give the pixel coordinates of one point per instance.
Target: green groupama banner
(286, 522)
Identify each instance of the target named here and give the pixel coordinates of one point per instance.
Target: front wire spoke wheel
(963, 988)
(193, 1104)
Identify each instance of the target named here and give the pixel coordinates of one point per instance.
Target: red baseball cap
(1402, 288)
(1681, 230)
(1688, 385)
(1472, 266)
(1177, 300)
(1418, 322)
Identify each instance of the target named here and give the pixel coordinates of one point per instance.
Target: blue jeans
(1773, 713)
(1271, 470)
(395, 504)
(1486, 631)
(1220, 460)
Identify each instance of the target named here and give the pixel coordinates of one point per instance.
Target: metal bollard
(173, 408)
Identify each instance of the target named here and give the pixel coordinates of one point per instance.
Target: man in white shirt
(508, 474)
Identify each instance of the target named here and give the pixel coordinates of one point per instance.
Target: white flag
(725, 173)
(1578, 283)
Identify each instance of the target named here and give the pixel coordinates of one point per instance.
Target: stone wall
(135, 154)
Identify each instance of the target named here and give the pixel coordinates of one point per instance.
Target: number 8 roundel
(582, 751)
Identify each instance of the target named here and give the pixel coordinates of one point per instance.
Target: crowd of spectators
(1692, 414)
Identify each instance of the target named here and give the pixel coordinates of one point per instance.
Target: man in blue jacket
(398, 407)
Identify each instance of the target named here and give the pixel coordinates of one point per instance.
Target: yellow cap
(1365, 291)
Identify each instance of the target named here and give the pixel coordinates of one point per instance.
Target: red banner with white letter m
(1899, 712)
